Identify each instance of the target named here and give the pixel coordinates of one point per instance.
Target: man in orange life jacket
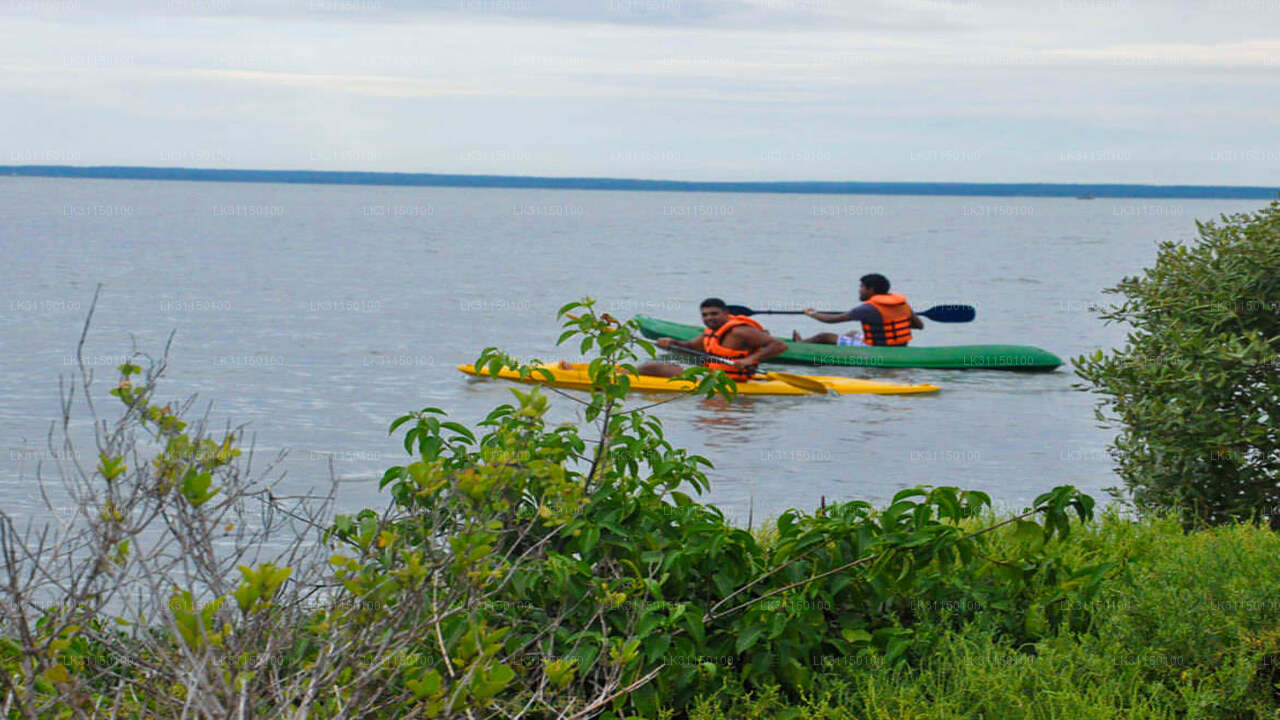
(737, 338)
(886, 317)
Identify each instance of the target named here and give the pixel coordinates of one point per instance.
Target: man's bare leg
(820, 338)
(657, 369)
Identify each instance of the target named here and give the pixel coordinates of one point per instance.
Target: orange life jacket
(711, 343)
(895, 321)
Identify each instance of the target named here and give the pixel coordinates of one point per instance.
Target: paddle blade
(950, 313)
(800, 381)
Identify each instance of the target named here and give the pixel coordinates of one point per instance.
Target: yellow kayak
(577, 378)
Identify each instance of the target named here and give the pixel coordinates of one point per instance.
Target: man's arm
(761, 345)
(829, 317)
(916, 322)
(694, 344)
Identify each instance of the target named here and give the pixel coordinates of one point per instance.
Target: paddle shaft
(731, 308)
(937, 313)
(706, 355)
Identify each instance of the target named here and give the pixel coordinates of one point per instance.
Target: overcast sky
(1169, 91)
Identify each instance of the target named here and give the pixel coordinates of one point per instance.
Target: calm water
(319, 313)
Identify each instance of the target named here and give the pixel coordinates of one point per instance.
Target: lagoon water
(318, 313)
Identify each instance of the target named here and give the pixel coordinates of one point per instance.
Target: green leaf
(460, 429)
(429, 685)
(590, 536)
(855, 635)
(748, 638)
(1028, 533)
(646, 700)
(486, 685)
(697, 630)
(392, 474)
(648, 622)
(895, 648)
(195, 487)
(57, 674)
(908, 493)
(110, 468)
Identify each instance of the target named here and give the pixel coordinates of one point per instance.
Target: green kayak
(959, 357)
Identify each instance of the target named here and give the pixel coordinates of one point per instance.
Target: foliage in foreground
(521, 570)
(1190, 628)
(1196, 388)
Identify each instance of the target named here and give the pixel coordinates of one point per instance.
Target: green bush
(597, 576)
(1187, 626)
(521, 569)
(1196, 387)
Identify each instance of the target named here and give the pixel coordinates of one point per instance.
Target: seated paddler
(886, 318)
(739, 344)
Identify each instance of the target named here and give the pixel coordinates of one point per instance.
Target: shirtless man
(738, 339)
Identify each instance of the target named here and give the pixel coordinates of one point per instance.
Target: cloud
(775, 14)
(818, 90)
(1262, 54)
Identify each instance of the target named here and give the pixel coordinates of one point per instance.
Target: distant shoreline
(1065, 190)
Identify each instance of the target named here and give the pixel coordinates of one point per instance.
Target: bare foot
(795, 336)
(564, 365)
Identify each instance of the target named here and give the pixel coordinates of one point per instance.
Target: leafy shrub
(630, 592)
(1196, 388)
(171, 581)
(522, 569)
(1186, 626)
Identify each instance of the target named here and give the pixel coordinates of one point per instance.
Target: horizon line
(811, 187)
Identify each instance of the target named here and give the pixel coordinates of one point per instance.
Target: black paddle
(937, 313)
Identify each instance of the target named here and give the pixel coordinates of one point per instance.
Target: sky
(1129, 91)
